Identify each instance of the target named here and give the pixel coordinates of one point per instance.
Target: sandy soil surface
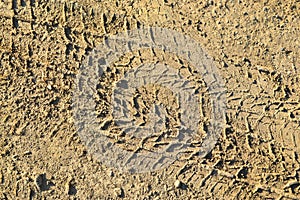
(254, 44)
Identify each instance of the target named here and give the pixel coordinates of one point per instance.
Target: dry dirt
(254, 44)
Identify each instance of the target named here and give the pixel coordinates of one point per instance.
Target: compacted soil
(254, 45)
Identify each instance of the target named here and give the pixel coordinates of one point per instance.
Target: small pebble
(1, 178)
(119, 192)
(224, 64)
(27, 153)
(177, 184)
(111, 174)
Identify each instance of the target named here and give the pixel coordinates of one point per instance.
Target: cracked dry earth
(255, 46)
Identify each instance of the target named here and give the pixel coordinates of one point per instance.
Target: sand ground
(254, 44)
